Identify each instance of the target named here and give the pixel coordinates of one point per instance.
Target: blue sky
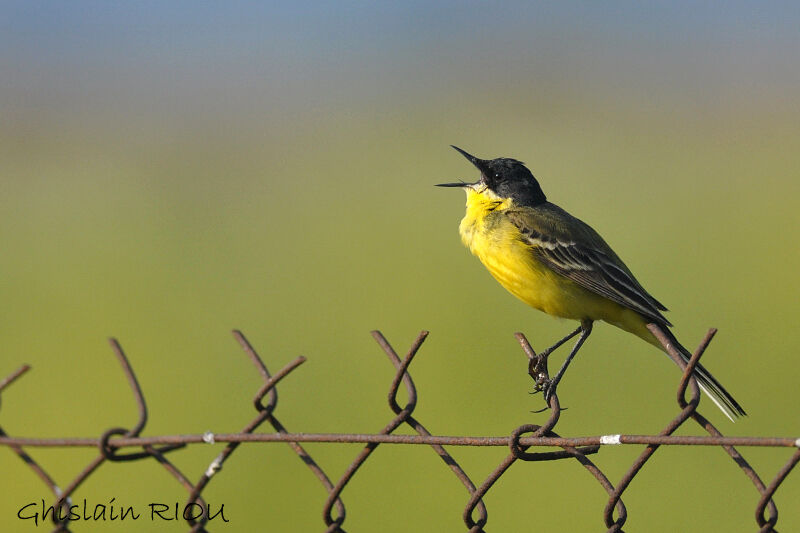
(192, 54)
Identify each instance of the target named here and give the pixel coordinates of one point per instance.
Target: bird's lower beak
(480, 164)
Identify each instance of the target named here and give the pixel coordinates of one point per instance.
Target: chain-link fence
(121, 444)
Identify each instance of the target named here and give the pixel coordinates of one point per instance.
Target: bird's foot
(544, 384)
(541, 382)
(537, 370)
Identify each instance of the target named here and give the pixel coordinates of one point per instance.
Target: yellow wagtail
(558, 264)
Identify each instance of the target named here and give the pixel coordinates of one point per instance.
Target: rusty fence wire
(123, 444)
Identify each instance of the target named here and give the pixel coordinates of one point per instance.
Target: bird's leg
(537, 366)
(548, 351)
(585, 329)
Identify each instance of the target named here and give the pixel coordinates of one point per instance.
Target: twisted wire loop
(268, 388)
(521, 439)
(689, 410)
(402, 370)
(402, 415)
(537, 369)
(767, 524)
(265, 413)
(109, 452)
(61, 514)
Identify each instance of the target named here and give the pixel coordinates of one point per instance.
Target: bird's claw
(548, 388)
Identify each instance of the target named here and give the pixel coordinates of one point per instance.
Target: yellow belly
(511, 261)
(512, 264)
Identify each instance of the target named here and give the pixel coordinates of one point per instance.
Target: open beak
(480, 164)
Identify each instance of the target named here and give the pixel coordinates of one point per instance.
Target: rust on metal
(113, 441)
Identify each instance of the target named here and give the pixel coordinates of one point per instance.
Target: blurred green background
(170, 171)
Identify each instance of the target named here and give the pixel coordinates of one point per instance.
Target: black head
(505, 177)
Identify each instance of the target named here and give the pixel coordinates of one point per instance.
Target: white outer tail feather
(722, 407)
(708, 383)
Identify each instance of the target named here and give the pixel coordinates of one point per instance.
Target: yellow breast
(511, 260)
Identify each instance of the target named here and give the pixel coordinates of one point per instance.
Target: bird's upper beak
(480, 164)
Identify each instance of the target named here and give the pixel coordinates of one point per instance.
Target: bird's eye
(497, 175)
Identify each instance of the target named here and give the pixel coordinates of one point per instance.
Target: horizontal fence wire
(121, 444)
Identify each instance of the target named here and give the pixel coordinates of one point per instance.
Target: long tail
(708, 383)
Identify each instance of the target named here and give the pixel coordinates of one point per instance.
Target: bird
(556, 263)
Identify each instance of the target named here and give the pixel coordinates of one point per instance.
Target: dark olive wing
(574, 250)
